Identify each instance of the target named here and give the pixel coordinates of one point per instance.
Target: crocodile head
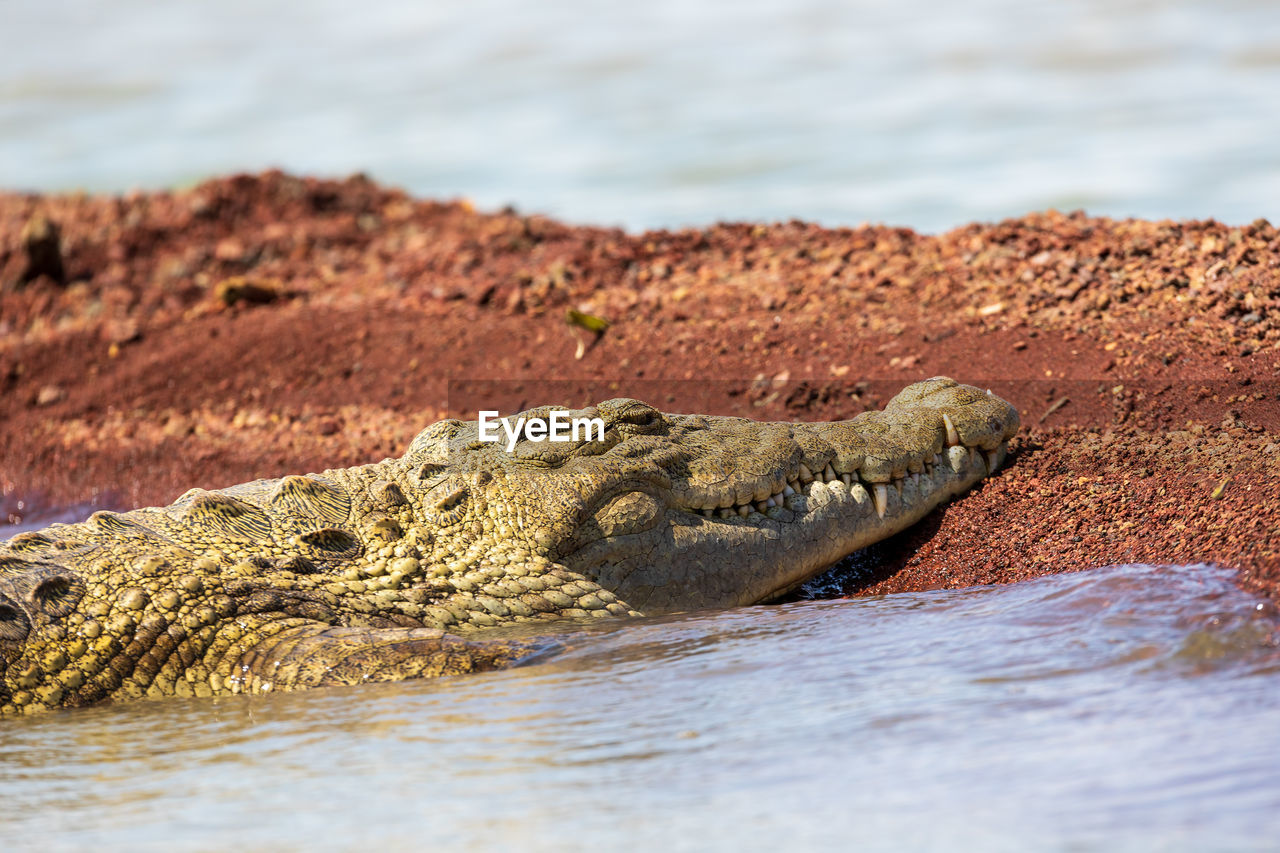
(672, 512)
(356, 574)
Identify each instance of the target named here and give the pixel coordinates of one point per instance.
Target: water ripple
(1128, 707)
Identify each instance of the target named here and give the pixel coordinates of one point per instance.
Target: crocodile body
(410, 567)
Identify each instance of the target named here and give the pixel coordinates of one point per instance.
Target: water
(1131, 708)
(919, 113)
(26, 514)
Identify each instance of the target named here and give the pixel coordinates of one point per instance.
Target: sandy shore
(259, 325)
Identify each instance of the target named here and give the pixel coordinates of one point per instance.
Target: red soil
(259, 325)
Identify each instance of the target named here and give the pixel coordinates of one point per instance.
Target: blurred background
(665, 112)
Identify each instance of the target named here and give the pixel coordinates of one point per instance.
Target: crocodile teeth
(957, 456)
(953, 437)
(880, 494)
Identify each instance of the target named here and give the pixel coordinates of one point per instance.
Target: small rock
(121, 331)
(229, 249)
(50, 394)
(237, 289)
(42, 243)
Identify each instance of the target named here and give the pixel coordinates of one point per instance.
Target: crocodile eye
(631, 512)
(432, 444)
(641, 415)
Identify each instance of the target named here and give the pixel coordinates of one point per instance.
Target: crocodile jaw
(743, 560)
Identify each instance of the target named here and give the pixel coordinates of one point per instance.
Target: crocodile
(415, 566)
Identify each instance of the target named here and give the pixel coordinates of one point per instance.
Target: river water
(667, 112)
(1130, 708)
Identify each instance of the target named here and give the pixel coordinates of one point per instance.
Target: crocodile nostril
(629, 412)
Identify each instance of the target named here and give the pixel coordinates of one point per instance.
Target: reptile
(414, 566)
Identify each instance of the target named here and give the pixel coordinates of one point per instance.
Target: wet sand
(258, 325)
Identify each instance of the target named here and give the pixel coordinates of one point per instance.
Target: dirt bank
(257, 325)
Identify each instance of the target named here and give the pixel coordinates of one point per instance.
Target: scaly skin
(357, 574)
